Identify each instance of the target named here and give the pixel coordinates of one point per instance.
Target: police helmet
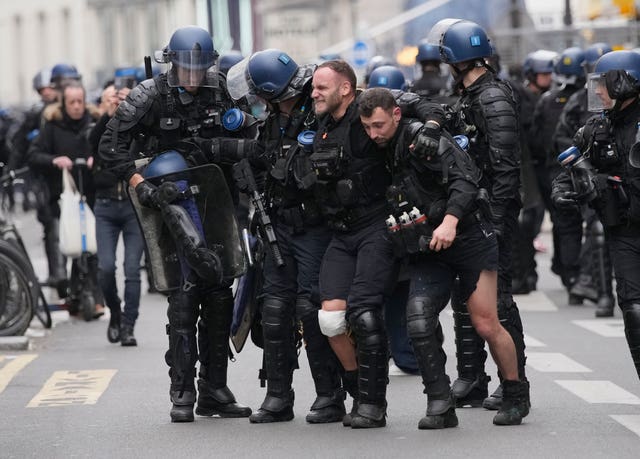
(270, 74)
(126, 77)
(540, 61)
(374, 63)
(228, 60)
(165, 163)
(387, 76)
(428, 52)
(619, 73)
(42, 79)
(570, 63)
(464, 41)
(61, 72)
(595, 51)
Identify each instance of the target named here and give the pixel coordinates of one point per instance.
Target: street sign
(360, 53)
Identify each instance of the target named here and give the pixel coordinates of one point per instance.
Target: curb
(14, 343)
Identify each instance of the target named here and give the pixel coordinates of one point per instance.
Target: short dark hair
(343, 68)
(376, 97)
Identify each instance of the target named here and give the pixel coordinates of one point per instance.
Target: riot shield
(208, 188)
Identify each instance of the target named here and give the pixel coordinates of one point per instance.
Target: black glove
(426, 141)
(227, 150)
(146, 192)
(566, 199)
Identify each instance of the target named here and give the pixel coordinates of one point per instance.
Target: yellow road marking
(12, 367)
(79, 387)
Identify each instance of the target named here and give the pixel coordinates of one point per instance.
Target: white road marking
(536, 301)
(12, 367)
(79, 387)
(630, 421)
(599, 392)
(609, 328)
(554, 362)
(530, 341)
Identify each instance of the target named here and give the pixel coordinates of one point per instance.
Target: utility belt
(298, 217)
(350, 219)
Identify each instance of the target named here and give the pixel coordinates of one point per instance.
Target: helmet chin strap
(460, 73)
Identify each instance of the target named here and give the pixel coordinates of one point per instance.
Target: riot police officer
(608, 176)
(432, 83)
(185, 103)
(290, 292)
(595, 279)
(537, 67)
(488, 112)
(447, 236)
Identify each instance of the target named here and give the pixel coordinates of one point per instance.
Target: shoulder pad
(137, 103)
(140, 95)
(405, 98)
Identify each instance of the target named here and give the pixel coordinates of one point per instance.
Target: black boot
(514, 401)
(631, 318)
(113, 330)
(220, 402)
(470, 389)
(182, 409)
(278, 326)
(373, 369)
(441, 414)
(126, 335)
(494, 401)
(350, 384)
(604, 307)
(324, 366)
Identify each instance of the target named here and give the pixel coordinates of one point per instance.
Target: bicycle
(21, 296)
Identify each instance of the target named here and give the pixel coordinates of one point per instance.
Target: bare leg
(341, 344)
(483, 309)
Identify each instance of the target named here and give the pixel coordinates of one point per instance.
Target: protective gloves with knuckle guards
(155, 197)
(566, 199)
(146, 191)
(427, 140)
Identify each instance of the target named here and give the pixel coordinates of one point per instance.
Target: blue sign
(360, 53)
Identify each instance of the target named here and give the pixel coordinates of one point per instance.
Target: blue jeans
(112, 218)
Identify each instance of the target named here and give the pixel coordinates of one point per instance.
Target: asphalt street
(73, 394)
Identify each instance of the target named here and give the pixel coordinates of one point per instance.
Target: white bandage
(332, 323)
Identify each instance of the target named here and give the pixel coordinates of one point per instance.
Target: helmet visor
(179, 76)
(597, 95)
(237, 83)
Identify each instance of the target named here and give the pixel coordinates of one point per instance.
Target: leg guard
(191, 244)
(426, 337)
(631, 317)
(509, 316)
(214, 397)
(602, 271)
(324, 366)
(373, 368)
(278, 327)
(471, 386)
(182, 354)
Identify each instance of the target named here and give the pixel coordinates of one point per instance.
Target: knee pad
(422, 318)
(305, 309)
(182, 311)
(277, 319)
(332, 323)
(369, 330)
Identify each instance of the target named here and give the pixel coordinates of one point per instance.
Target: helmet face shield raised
(237, 80)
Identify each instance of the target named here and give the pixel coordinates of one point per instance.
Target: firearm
(244, 174)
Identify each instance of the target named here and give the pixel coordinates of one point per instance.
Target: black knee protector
(183, 311)
(369, 330)
(278, 319)
(204, 261)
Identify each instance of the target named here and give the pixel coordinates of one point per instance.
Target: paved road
(72, 394)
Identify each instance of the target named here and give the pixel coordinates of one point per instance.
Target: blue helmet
(540, 61)
(464, 41)
(428, 52)
(270, 74)
(593, 52)
(191, 47)
(165, 163)
(627, 84)
(127, 77)
(387, 76)
(61, 72)
(571, 63)
(374, 63)
(228, 60)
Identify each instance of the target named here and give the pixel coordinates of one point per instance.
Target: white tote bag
(77, 222)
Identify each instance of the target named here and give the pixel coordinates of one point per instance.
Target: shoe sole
(209, 413)
(270, 420)
(324, 421)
